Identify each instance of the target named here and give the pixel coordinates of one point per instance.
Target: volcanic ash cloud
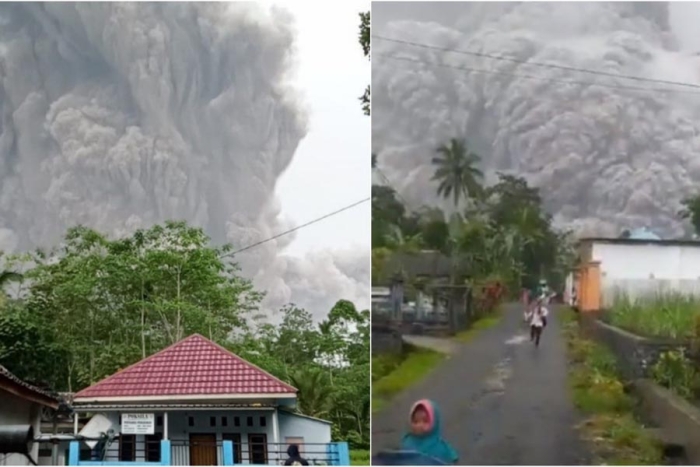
(604, 158)
(122, 115)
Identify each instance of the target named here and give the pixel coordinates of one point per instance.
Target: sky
(331, 168)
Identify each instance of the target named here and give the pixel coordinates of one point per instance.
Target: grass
(359, 457)
(479, 325)
(611, 428)
(670, 315)
(396, 373)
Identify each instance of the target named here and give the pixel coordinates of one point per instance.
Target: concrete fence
(636, 289)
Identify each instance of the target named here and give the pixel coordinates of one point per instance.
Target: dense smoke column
(122, 115)
(605, 159)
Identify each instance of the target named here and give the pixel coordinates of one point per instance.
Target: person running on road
(538, 320)
(425, 435)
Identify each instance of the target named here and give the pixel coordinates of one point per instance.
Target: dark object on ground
(404, 458)
(294, 456)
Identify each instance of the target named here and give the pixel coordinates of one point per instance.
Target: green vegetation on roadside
(359, 457)
(611, 428)
(670, 315)
(479, 325)
(665, 315)
(392, 374)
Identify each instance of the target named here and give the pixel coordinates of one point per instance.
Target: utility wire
(299, 227)
(390, 185)
(537, 78)
(527, 62)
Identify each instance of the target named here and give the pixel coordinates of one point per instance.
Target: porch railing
(178, 453)
(258, 453)
(111, 455)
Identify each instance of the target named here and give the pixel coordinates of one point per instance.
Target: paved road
(503, 401)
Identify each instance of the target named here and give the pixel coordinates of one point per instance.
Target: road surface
(503, 401)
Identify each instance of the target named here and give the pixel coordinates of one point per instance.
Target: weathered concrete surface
(636, 355)
(503, 401)
(678, 419)
(446, 346)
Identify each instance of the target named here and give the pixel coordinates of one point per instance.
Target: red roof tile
(192, 367)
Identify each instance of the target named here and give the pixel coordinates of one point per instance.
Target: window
(236, 421)
(153, 447)
(224, 421)
(190, 421)
(257, 449)
(212, 421)
(127, 448)
(263, 421)
(159, 420)
(250, 421)
(235, 438)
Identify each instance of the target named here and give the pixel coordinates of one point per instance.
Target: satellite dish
(98, 426)
(16, 439)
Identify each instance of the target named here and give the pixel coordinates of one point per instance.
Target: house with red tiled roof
(196, 403)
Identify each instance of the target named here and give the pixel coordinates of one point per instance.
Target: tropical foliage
(95, 304)
(365, 42)
(499, 232)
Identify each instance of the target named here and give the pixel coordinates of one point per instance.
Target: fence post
(332, 454)
(228, 452)
(165, 452)
(74, 453)
(343, 453)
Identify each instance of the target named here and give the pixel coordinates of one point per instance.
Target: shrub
(677, 372)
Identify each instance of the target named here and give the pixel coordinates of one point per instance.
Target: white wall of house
(261, 422)
(308, 432)
(15, 410)
(640, 270)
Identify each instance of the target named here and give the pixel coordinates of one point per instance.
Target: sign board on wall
(138, 423)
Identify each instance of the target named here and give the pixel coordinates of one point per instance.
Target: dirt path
(503, 401)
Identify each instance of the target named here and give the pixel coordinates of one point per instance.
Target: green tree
(456, 171)
(165, 282)
(365, 42)
(691, 212)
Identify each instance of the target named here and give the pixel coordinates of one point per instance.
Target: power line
(396, 192)
(527, 62)
(299, 227)
(537, 78)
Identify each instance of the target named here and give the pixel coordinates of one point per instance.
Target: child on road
(425, 435)
(538, 320)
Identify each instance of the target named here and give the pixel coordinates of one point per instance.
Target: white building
(22, 404)
(641, 267)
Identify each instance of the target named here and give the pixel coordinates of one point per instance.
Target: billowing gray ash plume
(605, 159)
(122, 115)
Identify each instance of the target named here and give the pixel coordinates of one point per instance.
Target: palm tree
(397, 241)
(456, 171)
(314, 392)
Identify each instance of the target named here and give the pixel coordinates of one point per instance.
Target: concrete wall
(17, 411)
(643, 269)
(636, 355)
(677, 418)
(290, 426)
